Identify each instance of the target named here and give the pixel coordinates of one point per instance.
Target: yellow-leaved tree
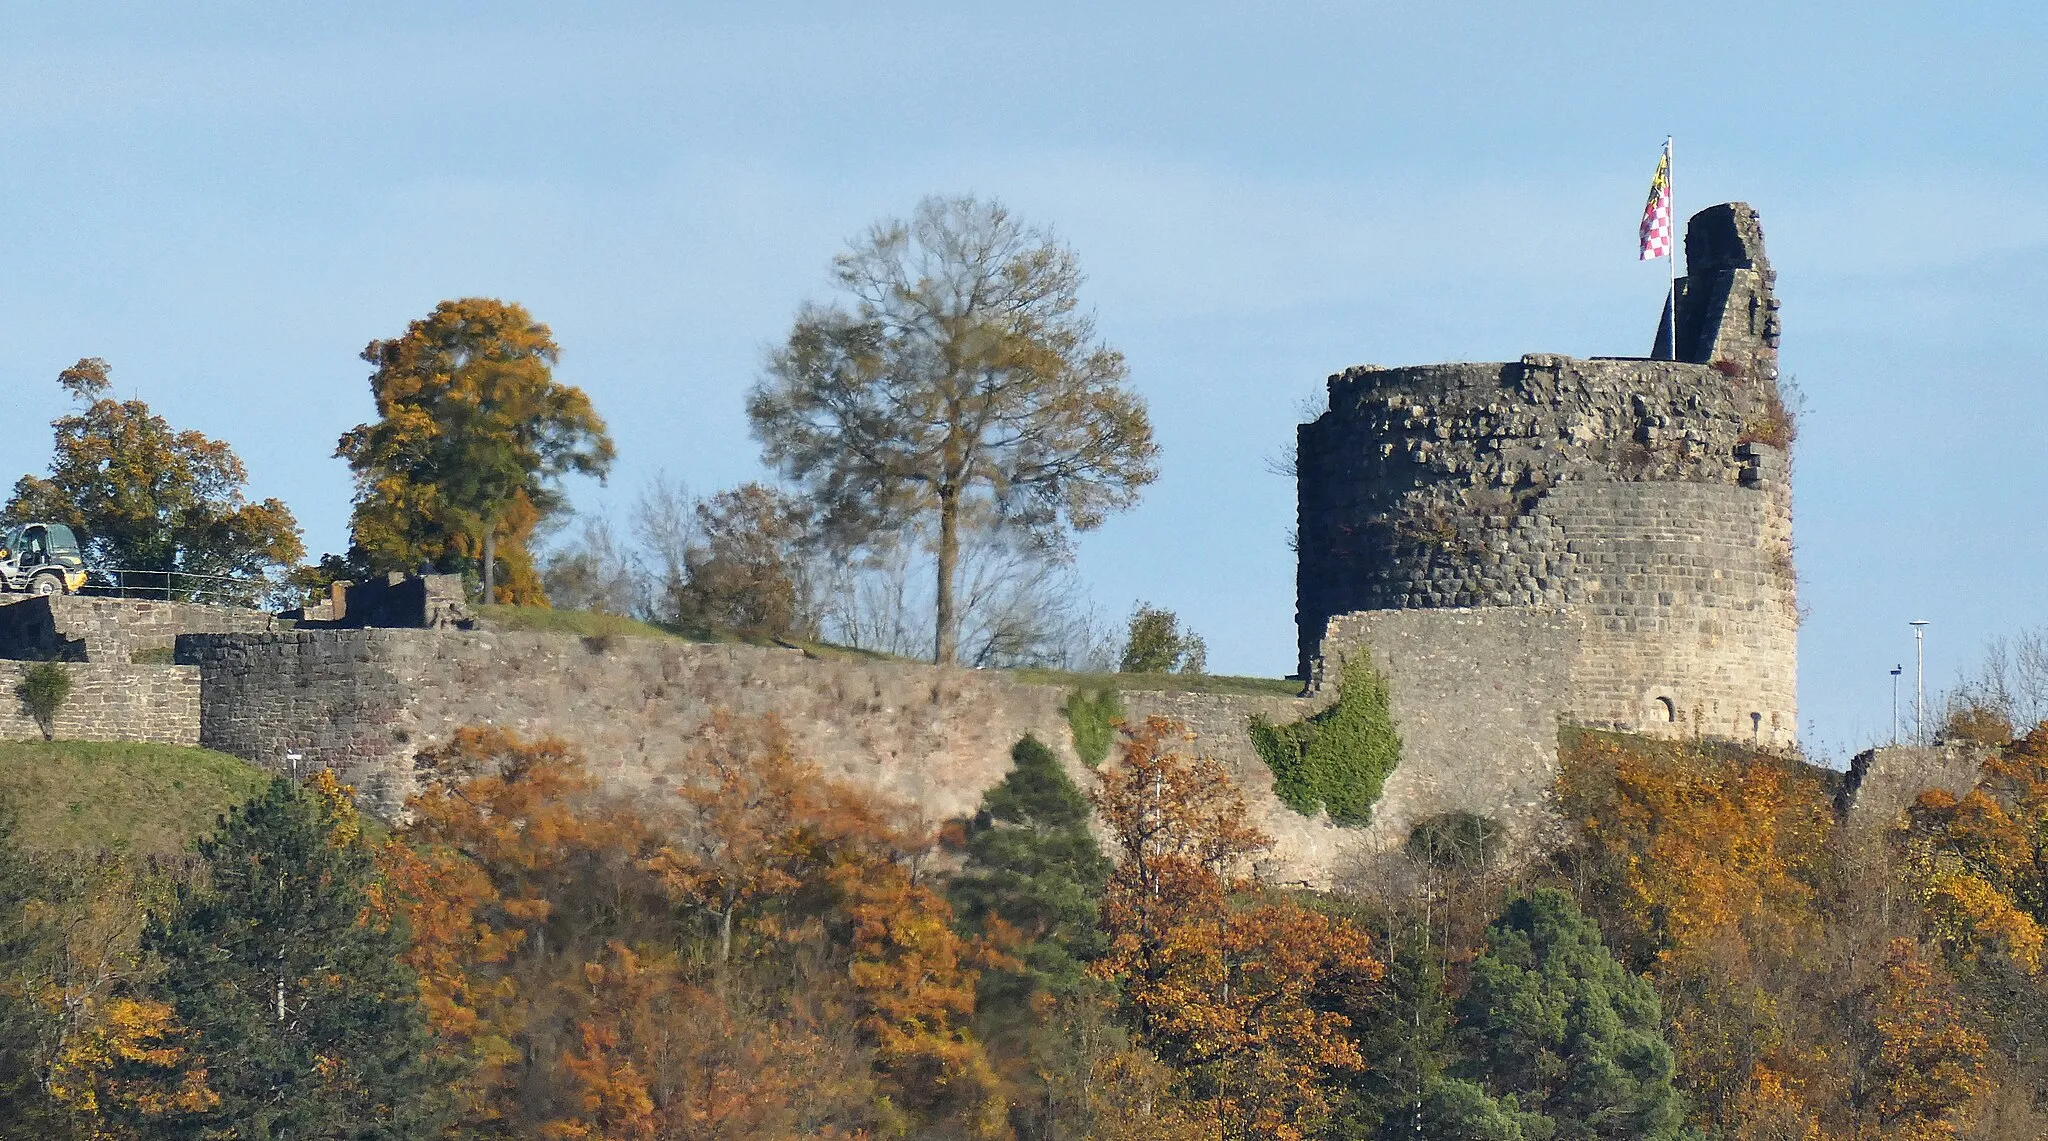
(472, 438)
(150, 497)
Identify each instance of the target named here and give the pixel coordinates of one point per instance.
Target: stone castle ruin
(1514, 547)
(1634, 514)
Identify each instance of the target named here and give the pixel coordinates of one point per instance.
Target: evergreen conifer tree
(307, 1024)
(1566, 1040)
(1032, 863)
(25, 1023)
(1033, 866)
(1404, 1026)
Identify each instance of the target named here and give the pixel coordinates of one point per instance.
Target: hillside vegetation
(144, 800)
(1707, 953)
(593, 624)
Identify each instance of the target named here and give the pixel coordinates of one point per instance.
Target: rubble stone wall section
(78, 628)
(110, 702)
(1417, 487)
(1477, 696)
(365, 702)
(1883, 783)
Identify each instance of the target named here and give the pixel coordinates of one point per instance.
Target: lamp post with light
(1919, 626)
(1896, 671)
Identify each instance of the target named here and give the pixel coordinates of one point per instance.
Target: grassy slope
(1176, 683)
(589, 625)
(585, 624)
(148, 800)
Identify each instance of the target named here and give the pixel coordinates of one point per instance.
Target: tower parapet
(1649, 499)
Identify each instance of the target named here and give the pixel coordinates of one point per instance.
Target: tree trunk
(945, 642)
(490, 562)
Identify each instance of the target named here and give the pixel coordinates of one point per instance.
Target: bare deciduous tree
(962, 381)
(664, 526)
(1016, 607)
(2010, 681)
(596, 569)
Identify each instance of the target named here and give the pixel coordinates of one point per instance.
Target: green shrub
(1093, 719)
(1337, 760)
(1156, 644)
(43, 691)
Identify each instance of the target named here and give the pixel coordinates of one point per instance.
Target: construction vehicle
(41, 558)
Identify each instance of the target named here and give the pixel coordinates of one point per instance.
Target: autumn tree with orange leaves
(1704, 874)
(471, 440)
(753, 954)
(1230, 992)
(145, 496)
(1785, 948)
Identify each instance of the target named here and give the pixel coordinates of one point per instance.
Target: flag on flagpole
(1656, 229)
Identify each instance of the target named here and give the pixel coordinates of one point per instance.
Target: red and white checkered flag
(1656, 229)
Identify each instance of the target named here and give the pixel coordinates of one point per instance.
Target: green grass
(1175, 683)
(582, 623)
(589, 624)
(145, 800)
(585, 624)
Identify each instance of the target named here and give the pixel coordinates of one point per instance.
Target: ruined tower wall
(1687, 598)
(1649, 498)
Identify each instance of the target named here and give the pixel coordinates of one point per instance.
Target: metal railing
(181, 586)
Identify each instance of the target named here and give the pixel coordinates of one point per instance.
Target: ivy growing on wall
(1093, 719)
(1338, 759)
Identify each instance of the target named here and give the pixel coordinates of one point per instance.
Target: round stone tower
(1647, 497)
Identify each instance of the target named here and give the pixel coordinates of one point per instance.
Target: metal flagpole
(1671, 197)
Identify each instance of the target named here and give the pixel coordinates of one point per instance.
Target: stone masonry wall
(111, 702)
(1691, 625)
(80, 628)
(1651, 497)
(1419, 487)
(1883, 783)
(1477, 697)
(1306, 849)
(364, 702)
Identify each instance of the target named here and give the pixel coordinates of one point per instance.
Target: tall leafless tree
(960, 381)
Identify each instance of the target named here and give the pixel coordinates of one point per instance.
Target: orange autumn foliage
(1928, 1062)
(1983, 857)
(1704, 873)
(1797, 1004)
(753, 955)
(759, 825)
(1698, 848)
(1223, 992)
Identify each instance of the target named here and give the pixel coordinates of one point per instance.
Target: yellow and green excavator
(41, 558)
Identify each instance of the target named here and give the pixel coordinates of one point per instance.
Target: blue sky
(227, 201)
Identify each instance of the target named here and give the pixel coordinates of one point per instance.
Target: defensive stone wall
(111, 702)
(1650, 497)
(1307, 850)
(365, 702)
(1883, 783)
(1477, 697)
(1691, 625)
(76, 628)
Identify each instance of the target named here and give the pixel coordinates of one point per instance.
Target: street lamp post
(1919, 626)
(1896, 671)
